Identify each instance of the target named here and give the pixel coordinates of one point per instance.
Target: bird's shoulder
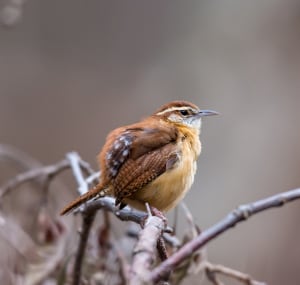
(134, 141)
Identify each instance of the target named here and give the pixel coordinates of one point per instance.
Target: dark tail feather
(82, 199)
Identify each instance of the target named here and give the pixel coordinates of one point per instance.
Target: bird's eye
(184, 112)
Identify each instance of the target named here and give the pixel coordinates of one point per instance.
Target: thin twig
(193, 264)
(41, 177)
(213, 269)
(74, 161)
(124, 266)
(172, 240)
(104, 235)
(108, 204)
(87, 222)
(212, 277)
(93, 178)
(242, 213)
(87, 217)
(86, 167)
(128, 214)
(46, 171)
(188, 215)
(19, 158)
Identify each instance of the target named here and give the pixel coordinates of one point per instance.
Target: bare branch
(212, 277)
(108, 204)
(240, 214)
(11, 154)
(46, 171)
(18, 238)
(87, 217)
(89, 171)
(145, 250)
(87, 222)
(74, 161)
(93, 178)
(213, 269)
(124, 265)
(52, 258)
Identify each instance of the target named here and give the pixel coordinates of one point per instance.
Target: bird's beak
(203, 113)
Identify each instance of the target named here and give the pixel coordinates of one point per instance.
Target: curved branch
(46, 171)
(240, 214)
(72, 161)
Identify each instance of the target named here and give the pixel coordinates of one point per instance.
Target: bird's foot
(161, 246)
(152, 211)
(159, 214)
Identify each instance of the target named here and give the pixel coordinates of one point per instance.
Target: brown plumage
(150, 161)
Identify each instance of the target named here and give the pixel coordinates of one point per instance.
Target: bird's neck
(191, 138)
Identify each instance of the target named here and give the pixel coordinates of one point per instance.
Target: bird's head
(183, 113)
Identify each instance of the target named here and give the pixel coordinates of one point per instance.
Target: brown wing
(133, 156)
(131, 143)
(135, 174)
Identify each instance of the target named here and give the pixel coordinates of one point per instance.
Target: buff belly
(167, 190)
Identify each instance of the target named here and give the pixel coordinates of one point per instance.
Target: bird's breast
(168, 189)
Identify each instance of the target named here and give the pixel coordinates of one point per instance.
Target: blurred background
(70, 71)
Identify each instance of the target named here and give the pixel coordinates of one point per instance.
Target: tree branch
(87, 222)
(144, 254)
(213, 269)
(47, 171)
(72, 161)
(78, 167)
(20, 158)
(240, 214)
(108, 204)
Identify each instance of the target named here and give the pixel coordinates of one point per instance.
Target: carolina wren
(152, 161)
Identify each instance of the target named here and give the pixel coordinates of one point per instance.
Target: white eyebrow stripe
(173, 109)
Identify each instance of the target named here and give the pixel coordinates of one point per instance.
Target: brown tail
(83, 198)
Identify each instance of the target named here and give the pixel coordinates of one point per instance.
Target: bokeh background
(70, 71)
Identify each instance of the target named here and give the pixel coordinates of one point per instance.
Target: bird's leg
(155, 212)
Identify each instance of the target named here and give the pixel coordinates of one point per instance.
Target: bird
(152, 161)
